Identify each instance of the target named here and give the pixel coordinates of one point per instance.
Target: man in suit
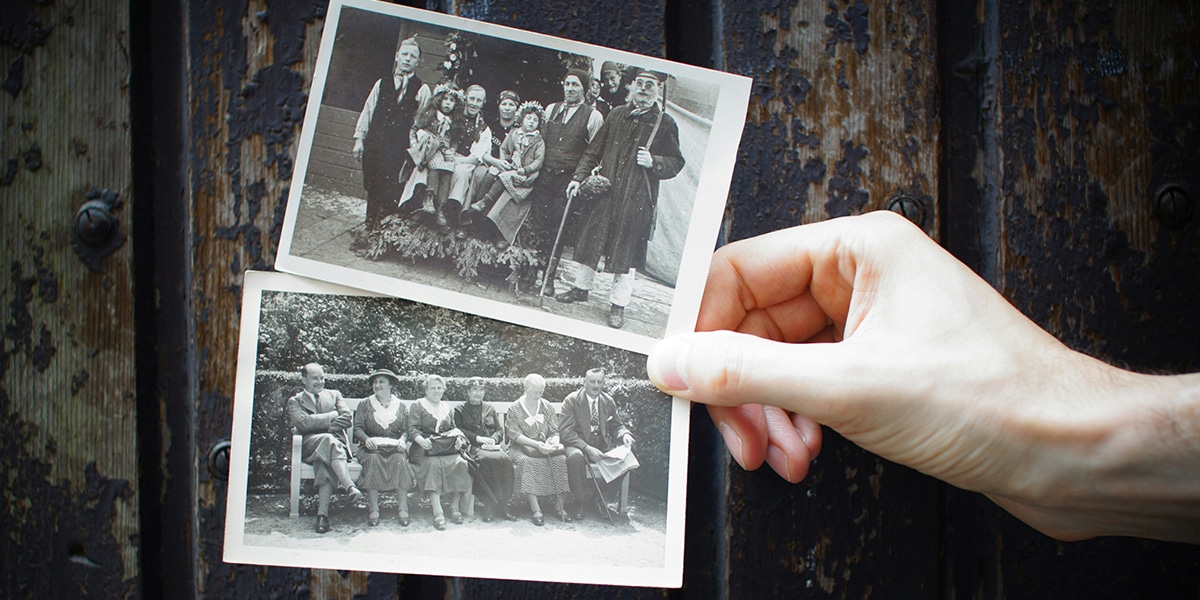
(589, 426)
(322, 417)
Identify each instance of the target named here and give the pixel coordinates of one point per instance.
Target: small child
(522, 154)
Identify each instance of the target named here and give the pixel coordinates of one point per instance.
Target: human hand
(627, 440)
(424, 443)
(357, 151)
(484, 440)
(340, 422)
(867, 326)
(572, 189)
(593, 453)
(643, 158)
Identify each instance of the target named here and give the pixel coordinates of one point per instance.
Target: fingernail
(666, 364)
(779, 461)
(733, 442)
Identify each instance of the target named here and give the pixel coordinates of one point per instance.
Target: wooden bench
(302, 470)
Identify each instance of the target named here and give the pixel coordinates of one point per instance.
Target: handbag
(444, 445)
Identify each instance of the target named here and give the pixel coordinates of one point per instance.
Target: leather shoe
(616, 316)
(373, 521)
(354, 494)
(538, 519)
(509, 516)
(573, 295)
(579, 515)
(456, 518)
(439, 523)
(322, 524)
(405, 521)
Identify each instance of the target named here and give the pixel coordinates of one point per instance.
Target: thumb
(725, 368)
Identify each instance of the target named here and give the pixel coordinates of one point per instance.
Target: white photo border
(670, 575)
(707, 210)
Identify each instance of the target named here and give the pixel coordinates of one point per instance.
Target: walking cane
(603, 502)
(552, 264)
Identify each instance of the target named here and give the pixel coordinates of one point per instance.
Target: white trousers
(622, 289)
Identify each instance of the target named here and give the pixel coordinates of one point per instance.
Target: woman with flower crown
(521, 155)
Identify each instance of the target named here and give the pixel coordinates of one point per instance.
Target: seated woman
(522, 155)
(429, 148)
(440, 469)
(380, 427)
(493, 471)
(539, 460)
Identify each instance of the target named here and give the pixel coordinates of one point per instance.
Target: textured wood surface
(68, 439)
(1090, 108)
(843, 117)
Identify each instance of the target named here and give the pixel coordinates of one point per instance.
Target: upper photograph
(544, 182)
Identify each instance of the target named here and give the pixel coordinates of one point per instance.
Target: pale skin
(645, 92)
(865, 325)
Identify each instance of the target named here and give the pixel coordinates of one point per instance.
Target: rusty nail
(1172, 204)
(93, 222)
(910, 207)
(218, 460)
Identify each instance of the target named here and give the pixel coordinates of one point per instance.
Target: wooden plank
(250, 68)
(67, 387)
(843, 116)
(1095, 111)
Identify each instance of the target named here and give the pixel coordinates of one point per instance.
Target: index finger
(771, 273)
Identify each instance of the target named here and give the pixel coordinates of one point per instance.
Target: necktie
(595, 418)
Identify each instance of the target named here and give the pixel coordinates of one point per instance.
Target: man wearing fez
(569, 128)
(322, 417)
(381, 136)
(619, 224)
(590, 427)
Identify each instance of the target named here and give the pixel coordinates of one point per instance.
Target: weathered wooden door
(1053, 146)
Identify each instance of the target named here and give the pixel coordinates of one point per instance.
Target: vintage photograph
(545, 182)
(380, 434)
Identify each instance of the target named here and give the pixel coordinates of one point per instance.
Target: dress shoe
(616, 316)
(354, 494)
(373, 521)
(456, 518)
(488, 518)
(441, 221)
(538, 519)
(404, 520)
(578, 515)
(548, 290)
(322, 524)
(427, 203)
(573, 295)
(562, 514)
(509, 516)
(439, 523)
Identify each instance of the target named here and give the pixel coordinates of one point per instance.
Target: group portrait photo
(552, 183)
(382, 434)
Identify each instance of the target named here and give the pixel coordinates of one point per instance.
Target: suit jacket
(311, 416)
(575, 422)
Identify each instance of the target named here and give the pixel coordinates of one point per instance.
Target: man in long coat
(381, 134)
(619, 225)
(589, 426)
(322, 417)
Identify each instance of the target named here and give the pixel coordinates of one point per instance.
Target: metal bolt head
(910, 207)
(94, 222)
(1172, 205)
(218, 460)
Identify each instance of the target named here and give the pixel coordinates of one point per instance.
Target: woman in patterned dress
(380, 428)
(428, 418)
(539, 459)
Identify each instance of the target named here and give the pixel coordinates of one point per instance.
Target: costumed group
(463, 452)
(508, 172)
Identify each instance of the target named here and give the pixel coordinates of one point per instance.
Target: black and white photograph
(545, 182)
(380, 434)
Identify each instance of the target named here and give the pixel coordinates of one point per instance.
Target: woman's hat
(385, 372)
(476, 382)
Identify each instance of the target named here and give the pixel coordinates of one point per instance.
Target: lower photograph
(379, 434)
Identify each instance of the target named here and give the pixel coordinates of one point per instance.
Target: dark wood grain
(68, 437)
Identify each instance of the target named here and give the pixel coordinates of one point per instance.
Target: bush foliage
(414, 240)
